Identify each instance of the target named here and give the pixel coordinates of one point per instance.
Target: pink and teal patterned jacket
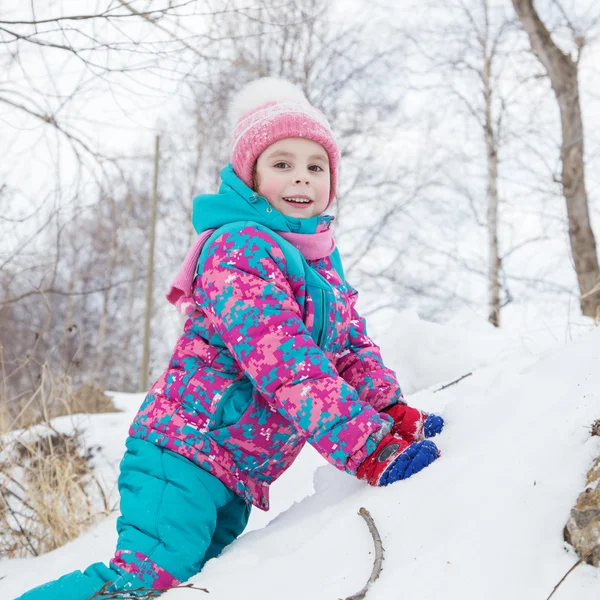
(273, 354)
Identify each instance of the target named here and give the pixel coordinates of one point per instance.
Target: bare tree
(69, 262)
(489, 45)
(357, 81)
(469, 49)
(489, 42)
(562, 71)
(111, 44)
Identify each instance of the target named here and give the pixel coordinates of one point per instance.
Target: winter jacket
(273, 355)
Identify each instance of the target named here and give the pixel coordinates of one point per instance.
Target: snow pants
(174, 517)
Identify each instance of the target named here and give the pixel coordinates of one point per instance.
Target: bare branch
(51, 120)
(453, 382)
(106, 14)
(142, 593)
(134, 11)
(44, 292)
(582, 559)
(378, 562)
(555, 61)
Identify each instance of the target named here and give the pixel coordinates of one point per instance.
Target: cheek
(270, 188)
(323, 186)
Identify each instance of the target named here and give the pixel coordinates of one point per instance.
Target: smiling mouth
(298, 200)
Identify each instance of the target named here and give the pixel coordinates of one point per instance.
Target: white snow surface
(485, 521)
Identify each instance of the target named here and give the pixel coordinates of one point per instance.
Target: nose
(307, 181)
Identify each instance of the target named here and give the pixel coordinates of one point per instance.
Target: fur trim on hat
(260, 92)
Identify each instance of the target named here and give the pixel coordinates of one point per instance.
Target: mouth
(298, 200)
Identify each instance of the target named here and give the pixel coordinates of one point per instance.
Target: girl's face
(293, 175)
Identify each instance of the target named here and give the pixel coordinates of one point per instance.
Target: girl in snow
(273, 355)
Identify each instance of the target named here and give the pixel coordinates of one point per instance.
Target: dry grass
(52, 396)
(49, 493)
(90, 398)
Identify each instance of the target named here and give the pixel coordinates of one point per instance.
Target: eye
(281, 165)
(316, 168)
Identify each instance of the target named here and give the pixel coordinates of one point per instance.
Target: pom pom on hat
(268, 110)
(260, 92)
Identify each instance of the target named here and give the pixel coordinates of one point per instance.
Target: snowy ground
(483, 522)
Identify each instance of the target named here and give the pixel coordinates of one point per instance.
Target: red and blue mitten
(412, 424)
(395, 459)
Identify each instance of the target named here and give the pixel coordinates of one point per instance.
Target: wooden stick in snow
(453, 382)
(148, 593)
(378, 563)
(581, 560)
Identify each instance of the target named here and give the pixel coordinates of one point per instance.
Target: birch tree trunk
(562, 71)
(492, 198)
(471, 71)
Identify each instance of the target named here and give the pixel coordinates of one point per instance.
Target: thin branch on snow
(453, 382)
(148, 592)
(582, 559)
(378, 563)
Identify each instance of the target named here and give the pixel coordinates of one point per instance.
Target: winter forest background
(461, 153)
(420, 94)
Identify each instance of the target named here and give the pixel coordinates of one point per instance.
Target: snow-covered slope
(483, 522)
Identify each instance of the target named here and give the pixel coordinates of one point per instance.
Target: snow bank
(484, 521)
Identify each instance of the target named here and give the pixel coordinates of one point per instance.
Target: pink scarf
(313, 246)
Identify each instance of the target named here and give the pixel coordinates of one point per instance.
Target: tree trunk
(562, 71)
(492, 197)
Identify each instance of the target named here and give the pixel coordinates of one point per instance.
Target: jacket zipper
(321, 337)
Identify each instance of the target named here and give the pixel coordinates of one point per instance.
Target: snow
(484, 521)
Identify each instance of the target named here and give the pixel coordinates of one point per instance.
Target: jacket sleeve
(250, 302)
(361, 365)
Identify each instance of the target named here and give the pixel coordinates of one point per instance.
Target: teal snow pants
(174, 517)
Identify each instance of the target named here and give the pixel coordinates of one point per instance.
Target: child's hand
(413, 425)
(395, 458)
(433, 425)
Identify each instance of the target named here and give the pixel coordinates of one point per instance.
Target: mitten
(395, 458)
(433, 425)
(412, 424)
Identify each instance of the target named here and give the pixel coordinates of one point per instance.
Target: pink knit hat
(268, 110)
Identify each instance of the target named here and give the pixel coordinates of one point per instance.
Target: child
(273, 355)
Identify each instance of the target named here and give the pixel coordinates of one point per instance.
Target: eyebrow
(285, 154)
